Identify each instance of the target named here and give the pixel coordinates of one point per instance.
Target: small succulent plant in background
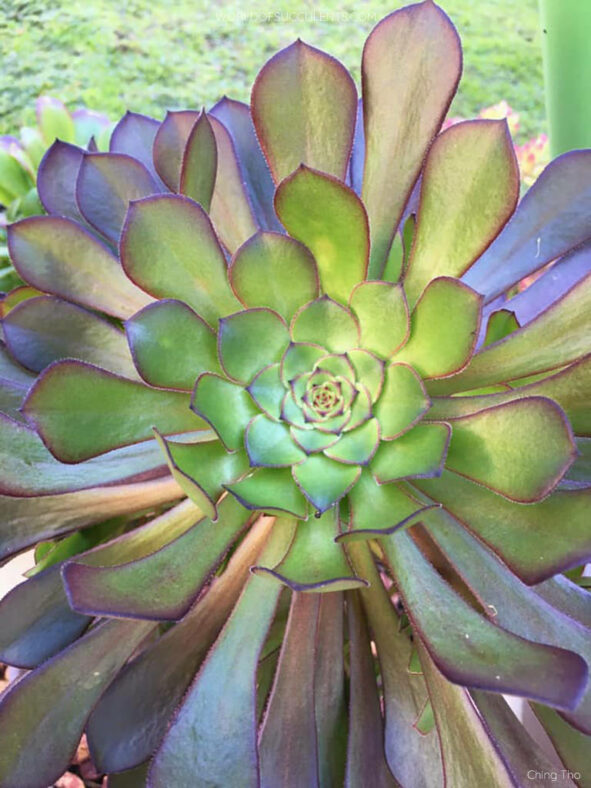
(20, 158)
(303, 482)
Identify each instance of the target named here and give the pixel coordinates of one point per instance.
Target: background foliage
(152, 55)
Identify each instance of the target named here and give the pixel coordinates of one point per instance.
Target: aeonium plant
(303, 482)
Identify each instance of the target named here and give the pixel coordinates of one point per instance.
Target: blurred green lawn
(151, 55)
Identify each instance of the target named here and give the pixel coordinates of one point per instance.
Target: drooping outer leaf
(299, 91)
(106, 184)
(489, 658)
(469, 189)
(46, 711)
(168, 246)
(143, 588)
(224, 690)
(443, 329)
(58, 256)
(81, 411)
(414, 759)
(46, 329)
(329, 218)
(412, 58)
(56, 179)
(250, 340)
(552, 218)
(525, 537)
(199, 164)
(274, 271)
(171, 345)
(554, 338)
(382, 312)
(169, 145)
(30, 520)
(489, 446)
(288, 744)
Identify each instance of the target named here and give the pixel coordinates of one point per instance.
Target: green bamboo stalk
(566, 44)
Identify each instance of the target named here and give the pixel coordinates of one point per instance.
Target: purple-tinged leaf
(81, 411)
(15, 381)
(56, 180)
(525, 537)
(134, 135)
(60, 257)
(224, 690)
(26, 521)
(288, 746)
(169, 247)
(231, 209)
(45, 329)
(357, 152)
(571, 745)
(142, 588)
(328, 217)
(568, 597)
(299, 91)
(169, 145)
(469, 189)
(365, 750)
(468, 648)
(46, 711)
(557, 336)
(414, 759)
(412, 58)
(144, 695)
(107, 183)
(260, 187)
(552, 219)
(199, 163)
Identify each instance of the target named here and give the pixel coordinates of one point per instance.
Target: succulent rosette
(303, 478)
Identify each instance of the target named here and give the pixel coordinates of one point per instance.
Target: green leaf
(267, 390)
(41, 330)
(141, 588)
(312, 441)
(54, 120)
(299, 91)
(314, 562)
(329, 218)
(298, 359)
(231, 209)
(171, 345)
(224, 690)
(199, 163)
(250, 340)
(358, 446)
(443, 329)
(225, 406)
(420, 452)
(169, 145)
(571, 745)
(402, 402)
(60, 257)
(412, 58)
(270, 490)
(369, 371)
(202, 469)
(275, 271)
(168, 247)
(525, 537)
(520, 450)
(323, 481)
(378, 509)
(469, 649)
(47, 710)
(557, 336)
(81, 411)
(500, 324)
(469, 189)
(382, 312)
(269, 444)
(327, 322)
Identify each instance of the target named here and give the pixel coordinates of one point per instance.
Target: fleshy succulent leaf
(56, 180)
(413, 56)
(382, 312)
(471, 170)
(225, 406)
(171, 345)
(327, 321)
(169, 145)
(420, 452)
(298, 91)
(330, 220)
(323, 481)
(270, 490)
(499, 325)
(402, 402)
(269, 444)
(250, 340)
(199, 163)
(134, 135)
(168, 246)
(274, 271)
(369, 369)
(267, 390)
(358, 446)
